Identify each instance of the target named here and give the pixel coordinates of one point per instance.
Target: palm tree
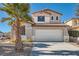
(17, 12)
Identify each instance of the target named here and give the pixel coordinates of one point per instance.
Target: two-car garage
(49, 35)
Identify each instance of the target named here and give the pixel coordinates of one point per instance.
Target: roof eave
(47, 9)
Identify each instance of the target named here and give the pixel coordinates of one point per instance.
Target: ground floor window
(22, 30)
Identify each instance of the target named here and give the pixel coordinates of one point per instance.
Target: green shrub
(27, 40)
(74, 33)
(23, 40)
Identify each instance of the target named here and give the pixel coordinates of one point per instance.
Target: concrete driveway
(54, 48)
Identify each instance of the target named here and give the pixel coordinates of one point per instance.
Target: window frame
(52, 18)
(40, 17)
(57, 17)
(22, 30)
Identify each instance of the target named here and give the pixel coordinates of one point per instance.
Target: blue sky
(67, 9)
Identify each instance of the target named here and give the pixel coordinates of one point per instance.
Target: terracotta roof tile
(71, 19)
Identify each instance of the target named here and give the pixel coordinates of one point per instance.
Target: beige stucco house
(46, 26)
(73, 23)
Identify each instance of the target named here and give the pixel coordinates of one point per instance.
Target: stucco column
(66, 35)
(28, 31)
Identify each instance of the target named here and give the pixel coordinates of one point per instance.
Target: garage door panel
(48, 35)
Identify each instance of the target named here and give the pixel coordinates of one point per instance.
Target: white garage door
(48, 35)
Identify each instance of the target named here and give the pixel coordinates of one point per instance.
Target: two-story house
(73, 23)
(46, 26)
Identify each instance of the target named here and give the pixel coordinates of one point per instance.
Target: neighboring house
(46, 26)
(73, 23)
(3, 36)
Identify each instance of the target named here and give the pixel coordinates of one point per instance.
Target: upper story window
(41, 18)
(56, 17)
(75, 22)
(52, 18)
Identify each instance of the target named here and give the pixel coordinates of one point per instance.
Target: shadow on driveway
(41, 45)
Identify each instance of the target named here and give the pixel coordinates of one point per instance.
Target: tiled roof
(71, 19)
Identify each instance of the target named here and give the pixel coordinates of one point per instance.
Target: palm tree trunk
(18, 42)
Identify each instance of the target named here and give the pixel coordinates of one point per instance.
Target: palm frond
(5, 19)
(11, 22)
(16, 10)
